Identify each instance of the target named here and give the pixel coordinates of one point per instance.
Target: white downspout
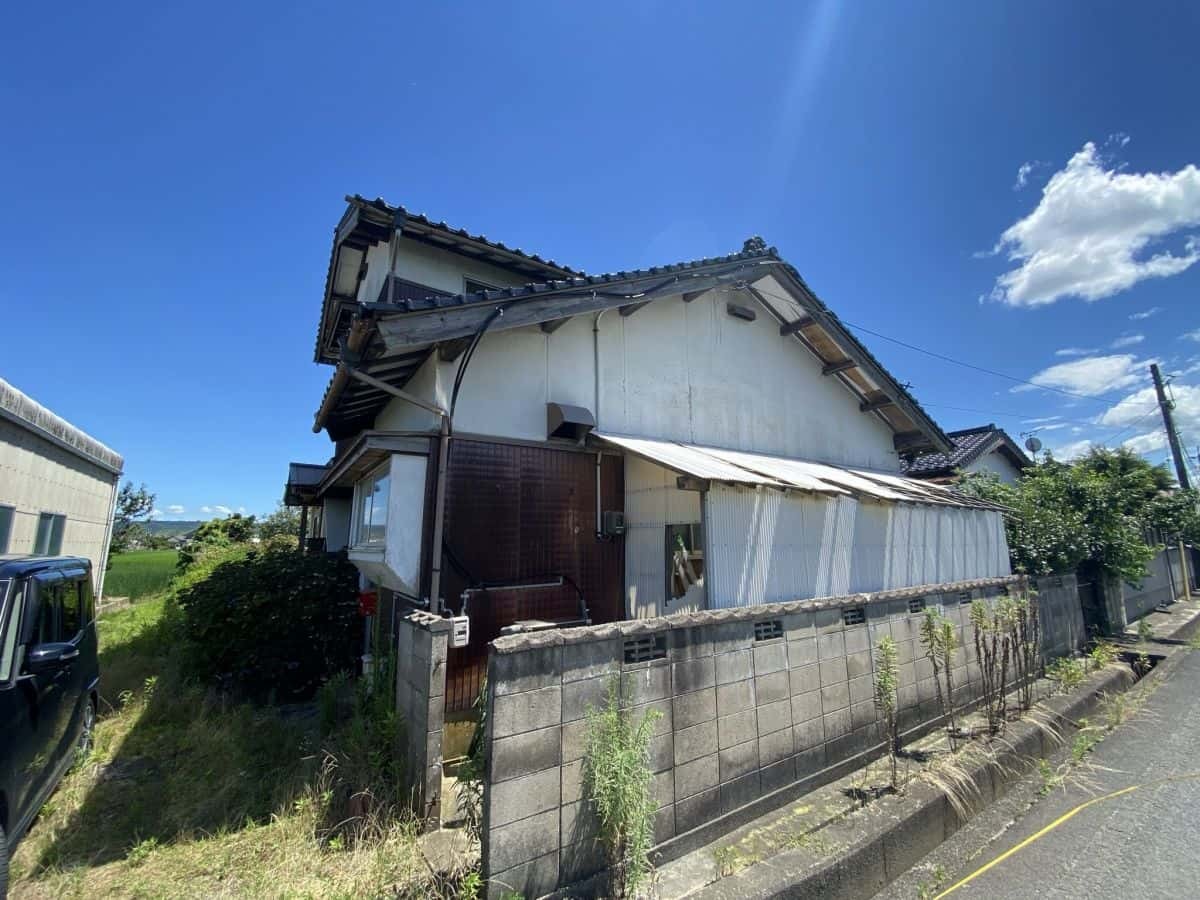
(596, 410)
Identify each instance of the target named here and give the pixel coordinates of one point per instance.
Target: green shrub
(269, 623)
(617, 783)
(1068, 672)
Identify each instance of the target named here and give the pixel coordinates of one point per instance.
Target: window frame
(695, 554)
(56, 527)
(8, 515)
(364, 490)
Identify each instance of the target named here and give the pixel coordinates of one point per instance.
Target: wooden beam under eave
(839, 366)
(629, 310)
(793, 327)
(911, 441)
(449, 351)
(872, 405)
(553, 325)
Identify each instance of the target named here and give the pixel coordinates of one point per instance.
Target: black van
(49, 674)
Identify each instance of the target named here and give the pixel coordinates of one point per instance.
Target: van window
(45, 628)
(6, 520)
(71, 616)
(10, 624)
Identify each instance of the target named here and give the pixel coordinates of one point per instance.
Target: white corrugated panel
(869, 554)
(792, 472)
(686, 459)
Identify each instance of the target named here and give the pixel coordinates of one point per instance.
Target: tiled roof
(969, 445)
(456, 235)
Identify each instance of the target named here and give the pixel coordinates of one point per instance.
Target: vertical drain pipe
(439, 518)
(596, 412)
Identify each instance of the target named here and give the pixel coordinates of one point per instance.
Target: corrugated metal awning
(687, 460)
(740, 467)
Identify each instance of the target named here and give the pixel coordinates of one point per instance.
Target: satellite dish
(1033, 445)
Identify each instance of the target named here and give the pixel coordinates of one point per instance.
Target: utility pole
(1169, 423)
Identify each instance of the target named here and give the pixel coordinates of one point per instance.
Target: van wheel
(86, 732)
(3, 864)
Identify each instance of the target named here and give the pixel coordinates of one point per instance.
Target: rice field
(139, 573)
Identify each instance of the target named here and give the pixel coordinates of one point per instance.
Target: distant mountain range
(171, 528)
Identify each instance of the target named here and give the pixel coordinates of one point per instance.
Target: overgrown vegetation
(887, 683)
(191, 793)
(1067, 672)
(617, 785)
(939, 638)
(271, 622)
(1008, 648)
(139, 573)
(1091, 514)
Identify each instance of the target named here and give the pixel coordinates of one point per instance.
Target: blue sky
(171, 178)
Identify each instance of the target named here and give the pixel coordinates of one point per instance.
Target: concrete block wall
(1061, 615)
(1155, 590)
(752, 701)
(422, 644)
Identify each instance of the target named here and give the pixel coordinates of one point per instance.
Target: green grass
(190, 794)
(140, 573)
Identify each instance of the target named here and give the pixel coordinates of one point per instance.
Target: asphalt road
(1142, 844)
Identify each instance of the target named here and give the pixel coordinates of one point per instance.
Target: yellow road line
(1063, 818)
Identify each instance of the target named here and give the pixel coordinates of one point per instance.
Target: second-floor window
(371, 508)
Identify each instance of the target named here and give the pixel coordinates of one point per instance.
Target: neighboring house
(698, 435)
(983, 449)
(58, 486)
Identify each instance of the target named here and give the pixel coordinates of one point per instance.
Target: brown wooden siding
(524, 514)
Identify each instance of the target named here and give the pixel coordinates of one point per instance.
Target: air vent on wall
(645, 648)
(855, 615)
(964, 597)
(916, 604)
(769, 630)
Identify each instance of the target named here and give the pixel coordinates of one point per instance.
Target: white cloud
(1088, 235)
(155, 513)
(1127, 340)
(1145, 313)
(176, 510)
(206, 509)
(1068, 452)
(1023, 173)
(1192, 335)
(1040, 420)
(1052, 427)
(1076, 351)
(221, 510)
(1141, 409)
(1091, 376)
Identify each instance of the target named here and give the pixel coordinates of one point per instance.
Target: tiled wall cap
(515, 643)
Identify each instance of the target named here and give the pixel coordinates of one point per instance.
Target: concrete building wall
(672, 370)
(757, 706)
(38, 476)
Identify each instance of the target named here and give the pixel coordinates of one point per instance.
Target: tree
(285, 520)
(134, 505)
(1094, 513)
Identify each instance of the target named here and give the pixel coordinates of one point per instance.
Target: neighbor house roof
(389, 341)
(19, 407)
(969, 445)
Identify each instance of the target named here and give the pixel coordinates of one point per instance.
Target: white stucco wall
(672, 370)
(998, 464)
(423, 264)
(37, 476)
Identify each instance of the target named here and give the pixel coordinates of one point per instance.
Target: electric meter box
(460, 631)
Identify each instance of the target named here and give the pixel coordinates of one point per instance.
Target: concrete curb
(924, 818)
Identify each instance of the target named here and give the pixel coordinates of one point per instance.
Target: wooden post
(303, 526)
